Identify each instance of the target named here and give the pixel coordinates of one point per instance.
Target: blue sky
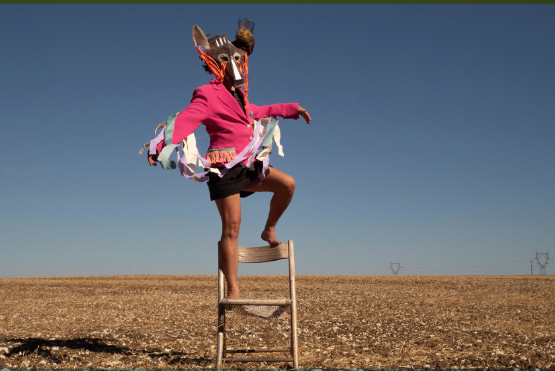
(432, 141)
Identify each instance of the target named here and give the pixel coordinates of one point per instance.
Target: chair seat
(246, 301)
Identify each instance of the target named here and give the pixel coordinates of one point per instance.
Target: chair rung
(242, 301)
(257, 359)
(258, 350)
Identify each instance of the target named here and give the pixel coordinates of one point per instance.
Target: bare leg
(283, 187)
(228, 253)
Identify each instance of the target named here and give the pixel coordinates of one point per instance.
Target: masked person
(236, 135)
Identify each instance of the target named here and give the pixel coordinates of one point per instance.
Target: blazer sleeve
(287, 110)
(191, 117)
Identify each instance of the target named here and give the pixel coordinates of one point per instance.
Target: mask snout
(236, 76)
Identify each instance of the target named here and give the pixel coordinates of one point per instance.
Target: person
(229, 119)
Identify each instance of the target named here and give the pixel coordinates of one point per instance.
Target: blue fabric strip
(163, 157)
(168, 164)
(269, 132)
(168, 130)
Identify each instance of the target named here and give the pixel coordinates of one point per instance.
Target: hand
(152, 159)
(304, 114)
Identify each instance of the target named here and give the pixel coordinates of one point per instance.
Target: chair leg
(294, 342)
(221, 336)
(221, 346)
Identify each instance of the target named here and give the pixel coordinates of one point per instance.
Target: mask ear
(199, 38)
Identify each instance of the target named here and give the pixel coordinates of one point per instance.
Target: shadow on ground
(42, 347)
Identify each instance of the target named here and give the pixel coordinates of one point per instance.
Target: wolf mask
(224, 57)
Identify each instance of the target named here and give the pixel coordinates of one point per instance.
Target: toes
(272, 243)
(270, 238)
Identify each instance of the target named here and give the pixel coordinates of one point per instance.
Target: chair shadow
(40, 346)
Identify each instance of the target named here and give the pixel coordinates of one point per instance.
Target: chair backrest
(263, 254)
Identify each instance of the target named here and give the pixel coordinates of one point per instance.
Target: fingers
(306, 117)
(151, 161)
(304, 114)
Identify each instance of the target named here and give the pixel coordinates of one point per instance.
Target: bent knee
(289, 185)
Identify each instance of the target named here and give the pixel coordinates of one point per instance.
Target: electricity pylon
(395, 267)
(543, 260)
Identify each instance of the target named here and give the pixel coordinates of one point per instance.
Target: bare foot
(233, 294)
(269, 235)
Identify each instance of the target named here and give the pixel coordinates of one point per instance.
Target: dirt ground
(344, 321)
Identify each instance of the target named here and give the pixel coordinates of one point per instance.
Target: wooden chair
(259, 255)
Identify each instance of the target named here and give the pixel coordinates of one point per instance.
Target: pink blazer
(230, 128)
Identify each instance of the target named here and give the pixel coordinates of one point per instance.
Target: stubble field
(344, 321)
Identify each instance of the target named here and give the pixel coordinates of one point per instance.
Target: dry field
(344, 321)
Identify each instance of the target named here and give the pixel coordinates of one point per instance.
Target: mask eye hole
(223, 58)
(237, 56)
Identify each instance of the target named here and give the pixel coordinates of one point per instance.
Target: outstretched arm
(288, 111)
(185, 123)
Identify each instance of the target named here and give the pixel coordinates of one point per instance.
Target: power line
(501, 268)
(470, 266)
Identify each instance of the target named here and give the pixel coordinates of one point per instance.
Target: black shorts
(233, 181)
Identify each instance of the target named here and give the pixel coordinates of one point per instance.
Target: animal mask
(227, 59)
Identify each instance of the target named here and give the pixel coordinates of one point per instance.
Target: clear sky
(432, 140)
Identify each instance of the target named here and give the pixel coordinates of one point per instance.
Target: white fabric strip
(277, 138)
